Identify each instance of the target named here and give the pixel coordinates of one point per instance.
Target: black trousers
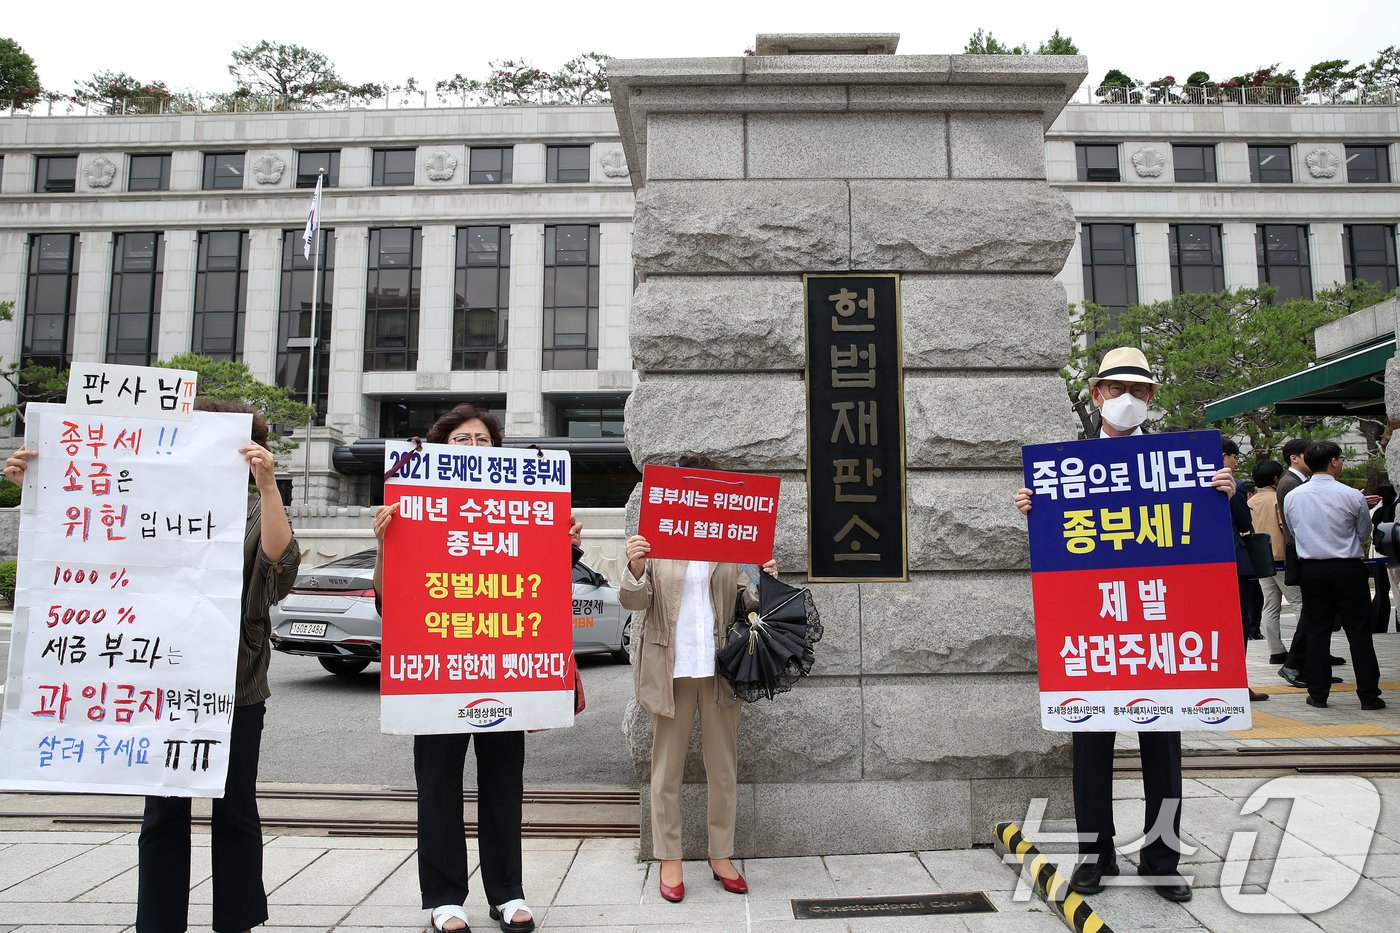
(1380, 602)
(1297, 659)
(442, 844)
(163, 872)
(1093, 796)
(1337, 592)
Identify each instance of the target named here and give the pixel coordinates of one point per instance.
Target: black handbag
(1261, 555)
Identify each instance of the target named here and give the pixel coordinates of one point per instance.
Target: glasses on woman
(1115, 389)
(472, 440)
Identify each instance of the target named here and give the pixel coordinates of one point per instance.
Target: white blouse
(695, 626)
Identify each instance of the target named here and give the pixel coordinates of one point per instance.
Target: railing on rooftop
(1222, 95)
(1161, 95)
(223, 103)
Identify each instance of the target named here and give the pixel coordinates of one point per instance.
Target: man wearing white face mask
(1122, 391)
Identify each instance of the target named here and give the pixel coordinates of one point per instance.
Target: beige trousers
(719, 743)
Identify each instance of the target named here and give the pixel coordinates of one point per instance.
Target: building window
(223, 170)
(1370, 250)
(565, 164)
(571, 297)
(148, 172)
(1282, 251)
(1193, 163)
(1110, 266)
(1097, 162)
(311, 164)
(579, 419)
(403, 417)
(50, 299)
(221, 294)
(1198, 262)
(1368, 163)
(391, 299)
(294, 317)
(393, 167)
(1271, 165)
(55, 174)
(492, 166)
(133, 317)
(481, 298)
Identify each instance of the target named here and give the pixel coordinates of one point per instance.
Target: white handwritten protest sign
(127, 603)
(134, 391)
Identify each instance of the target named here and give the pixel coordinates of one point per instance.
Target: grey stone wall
(919, 726)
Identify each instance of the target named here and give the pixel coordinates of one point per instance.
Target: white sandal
(450, 912)
(505, 912)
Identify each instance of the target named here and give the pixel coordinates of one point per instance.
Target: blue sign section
(1127, 502)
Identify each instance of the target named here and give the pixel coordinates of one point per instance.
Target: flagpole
(312, 348)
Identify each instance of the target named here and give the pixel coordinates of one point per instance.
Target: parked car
(329, 615)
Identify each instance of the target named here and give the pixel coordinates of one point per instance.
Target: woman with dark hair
(1263, 508)
(438, 762)
(270, 561)
(686, 607)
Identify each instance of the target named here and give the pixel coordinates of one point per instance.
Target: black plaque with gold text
(855, 429)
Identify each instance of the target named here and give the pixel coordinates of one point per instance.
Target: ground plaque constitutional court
(905, 905)
(855, 429)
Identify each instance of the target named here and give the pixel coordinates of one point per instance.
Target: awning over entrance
(1349, 385)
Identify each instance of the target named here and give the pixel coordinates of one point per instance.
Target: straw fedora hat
(1124, 364)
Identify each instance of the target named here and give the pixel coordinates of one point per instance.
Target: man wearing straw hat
(1122, 391)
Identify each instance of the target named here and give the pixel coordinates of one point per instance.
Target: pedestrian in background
(1330, 523)
(1263, 511)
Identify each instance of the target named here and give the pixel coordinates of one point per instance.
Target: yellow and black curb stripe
(1050, 885)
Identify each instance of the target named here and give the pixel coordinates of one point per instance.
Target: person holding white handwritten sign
(438, 761)
(686, 607)
(270, 561)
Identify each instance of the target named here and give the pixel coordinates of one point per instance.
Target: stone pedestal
(919, 726)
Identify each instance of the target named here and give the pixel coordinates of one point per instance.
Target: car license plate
(316, 629)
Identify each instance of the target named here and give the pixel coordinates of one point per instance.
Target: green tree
(1058, 45)
(984, 43)
(276, 76)
(29, 382)
(581, 80)
(121, 93)
(1331, 77)
(19, 79)
(1382, 73)
(231, 380)
(1209, 346)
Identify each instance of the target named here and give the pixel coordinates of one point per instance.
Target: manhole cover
(908, 905)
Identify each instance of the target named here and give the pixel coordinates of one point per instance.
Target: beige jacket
(1263, 507)
(657, 599)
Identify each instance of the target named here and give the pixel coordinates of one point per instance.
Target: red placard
(712, 515)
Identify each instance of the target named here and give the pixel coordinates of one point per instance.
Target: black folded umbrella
(770, 649)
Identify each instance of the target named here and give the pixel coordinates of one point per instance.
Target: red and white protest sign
(690, 514)
(477, 594)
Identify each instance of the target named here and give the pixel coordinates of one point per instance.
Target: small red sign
(711, 515)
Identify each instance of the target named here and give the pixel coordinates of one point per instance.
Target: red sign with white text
(477, 592)
(711, 515)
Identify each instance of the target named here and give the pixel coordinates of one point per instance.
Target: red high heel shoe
(732, 885)
(673, 894)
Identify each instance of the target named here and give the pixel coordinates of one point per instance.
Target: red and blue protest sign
(1136, 591)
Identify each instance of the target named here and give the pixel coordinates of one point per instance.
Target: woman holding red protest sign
(686, 607)
(438, 761)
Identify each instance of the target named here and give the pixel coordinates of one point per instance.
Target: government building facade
(485, 253)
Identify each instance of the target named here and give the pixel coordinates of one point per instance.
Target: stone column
(345, 410)
(260, 345)
(177, 293)
(94, 296)
(919, 727)
(525, 333)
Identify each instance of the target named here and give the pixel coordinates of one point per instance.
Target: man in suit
(1331, 524)
(1122, 390)
(1296, 658)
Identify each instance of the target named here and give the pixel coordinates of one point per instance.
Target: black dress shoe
(1292, 677)
(1278, 658)
(1336, 680)
(1088, 877)
(1336, 660)
(1320, 704)
(1171, 886)
(1377, 703)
